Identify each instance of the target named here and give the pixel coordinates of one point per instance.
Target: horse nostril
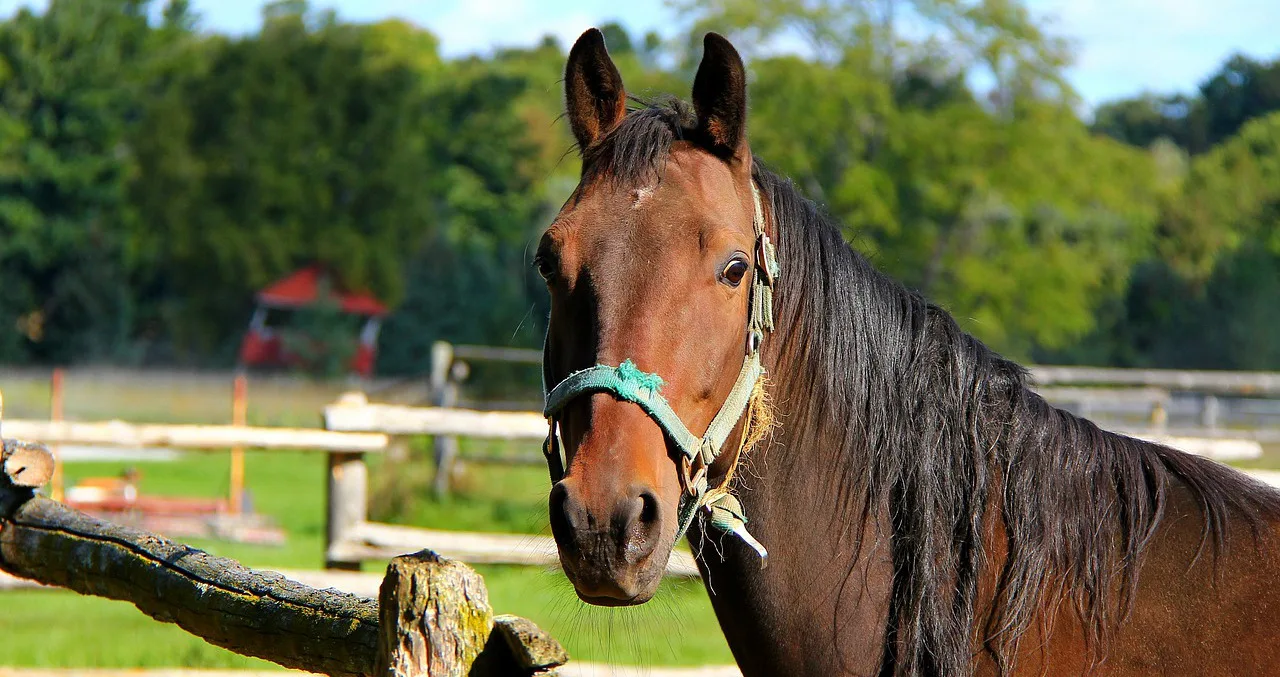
(563, 512)
(649, 508)
(638, 519)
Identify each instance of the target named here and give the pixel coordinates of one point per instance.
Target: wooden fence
(355, 428)
(354, 539)
(350, 538)
(432, 616)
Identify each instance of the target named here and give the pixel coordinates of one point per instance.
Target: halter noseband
(627, 382)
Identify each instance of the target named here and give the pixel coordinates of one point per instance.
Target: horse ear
(593, 91)
(720, 96)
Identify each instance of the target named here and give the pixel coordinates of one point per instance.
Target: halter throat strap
(627, 382)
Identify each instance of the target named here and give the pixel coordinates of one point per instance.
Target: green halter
(629, 383)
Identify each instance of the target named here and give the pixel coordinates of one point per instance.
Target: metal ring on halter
(691, 479)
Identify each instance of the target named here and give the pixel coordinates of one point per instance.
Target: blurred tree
(617, 39)
(68, 89)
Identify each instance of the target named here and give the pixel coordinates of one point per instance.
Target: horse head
(657, 276)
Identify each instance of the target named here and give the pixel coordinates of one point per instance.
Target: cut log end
(26, 464)
(436, 620)
(434, 616)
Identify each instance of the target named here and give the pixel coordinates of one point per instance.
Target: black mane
(945, 434)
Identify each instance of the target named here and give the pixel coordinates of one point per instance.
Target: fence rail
(1256, 383)
(201, 437)
(354, 414)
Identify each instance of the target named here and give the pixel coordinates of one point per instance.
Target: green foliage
(67, 88)
(153, 176)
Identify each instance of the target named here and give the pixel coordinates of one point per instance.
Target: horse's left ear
(720, 96)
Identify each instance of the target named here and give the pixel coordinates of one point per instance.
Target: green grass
(58, 629)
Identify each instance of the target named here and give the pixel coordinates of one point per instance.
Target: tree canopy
(154, 175)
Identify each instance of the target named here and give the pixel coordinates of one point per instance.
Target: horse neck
(878, 394)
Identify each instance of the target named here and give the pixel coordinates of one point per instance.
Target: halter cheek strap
(697, 453)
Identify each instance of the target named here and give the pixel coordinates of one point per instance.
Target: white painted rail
(137, 435)
(352, 414)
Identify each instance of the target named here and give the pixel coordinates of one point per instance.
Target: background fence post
(239, 415)
(56, 395)
(1159, 417)
(444, 393)
(347, 499)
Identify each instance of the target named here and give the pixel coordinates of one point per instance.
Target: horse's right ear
(594, 96)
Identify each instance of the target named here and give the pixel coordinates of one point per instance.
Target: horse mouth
(607, 601)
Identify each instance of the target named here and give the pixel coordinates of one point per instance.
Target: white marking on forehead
(639, 195)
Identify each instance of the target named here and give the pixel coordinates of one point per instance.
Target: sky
(1122, 47)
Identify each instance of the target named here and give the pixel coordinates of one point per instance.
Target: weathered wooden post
(444, 393)
(347, 500)
(435, 621)
(1209, 410)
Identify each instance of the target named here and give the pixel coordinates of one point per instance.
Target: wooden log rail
(432, 618)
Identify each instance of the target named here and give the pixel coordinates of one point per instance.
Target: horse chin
(614, 586)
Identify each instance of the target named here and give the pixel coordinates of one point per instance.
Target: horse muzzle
(613, 547)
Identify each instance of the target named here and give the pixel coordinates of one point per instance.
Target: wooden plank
(392, 419)
(1259, 435)
(1219, 382)
(497, 354)
(1124, 395)
(373, 541)
(1216, 449)
(123, 434)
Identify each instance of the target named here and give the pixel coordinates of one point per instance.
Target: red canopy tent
(262, 345)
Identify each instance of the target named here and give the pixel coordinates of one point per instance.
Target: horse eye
(734, 271)
(545, 267)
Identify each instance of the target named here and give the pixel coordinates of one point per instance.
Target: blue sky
(1122, 46)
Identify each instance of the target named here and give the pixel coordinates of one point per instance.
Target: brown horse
(925, 512)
